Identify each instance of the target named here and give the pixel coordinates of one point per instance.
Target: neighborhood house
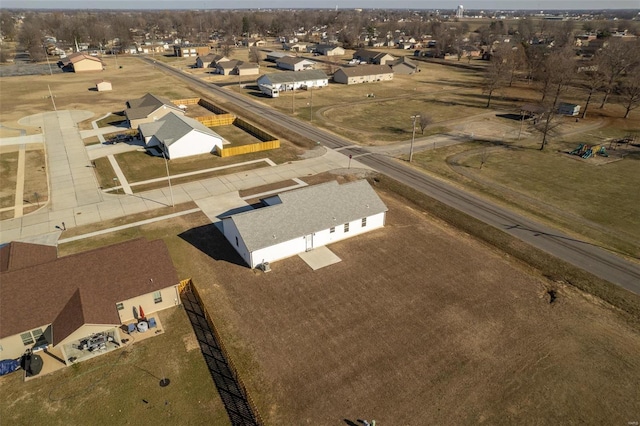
(300, 220)
(79, 62)
(294, 63)
(363, 74)
(273, 84)
(149, 108)
(58, 304)
(177, 136)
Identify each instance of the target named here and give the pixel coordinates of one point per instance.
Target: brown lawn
(417, 325)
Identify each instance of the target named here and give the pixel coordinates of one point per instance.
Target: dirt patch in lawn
(419, 312)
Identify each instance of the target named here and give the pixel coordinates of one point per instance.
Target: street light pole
(166, 163)
(311, 106)
(413, 136)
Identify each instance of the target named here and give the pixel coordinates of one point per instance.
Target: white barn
(273, 84)
(178, 136)
(297, 221)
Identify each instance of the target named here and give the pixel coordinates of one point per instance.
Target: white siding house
(294, 63)
(301, 220)
(363, 74)
(273, 84)
(178, 136)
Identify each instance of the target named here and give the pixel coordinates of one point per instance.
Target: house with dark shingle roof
(373, 57)
(56, 302)
(178, 136)
(300, 220)
(363, 74)
(149, 108)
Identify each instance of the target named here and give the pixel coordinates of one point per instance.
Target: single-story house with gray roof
(149, 108)
(300, 220)
(363, 74)
(273, 84)
(178, 136)
(295, 63)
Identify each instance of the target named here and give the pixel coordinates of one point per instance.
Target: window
(332, 230)
(364, 222)
(120, 306)
(27, 338)
(37, 334)
(346, 227)
(237, 241)
(157, 297)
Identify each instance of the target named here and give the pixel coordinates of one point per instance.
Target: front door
(309, 242)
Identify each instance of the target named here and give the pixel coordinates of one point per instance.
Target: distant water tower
(459, 11)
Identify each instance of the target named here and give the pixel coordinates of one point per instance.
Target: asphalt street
(591, 258)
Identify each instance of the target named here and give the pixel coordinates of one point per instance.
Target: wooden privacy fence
(187, 285)
(253, 130)
(217, 120)
(187, 102)
(246, 149)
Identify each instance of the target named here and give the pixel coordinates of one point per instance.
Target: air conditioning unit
(265, 266)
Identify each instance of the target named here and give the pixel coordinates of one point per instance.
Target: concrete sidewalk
(77, 200)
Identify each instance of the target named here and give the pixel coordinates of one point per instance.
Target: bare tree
(592, 81)
(629, 91)
(495, 77)
(255, 55)
(556, 73)
(425, 121)
(227, 47)
(547, 126)
(614, 60)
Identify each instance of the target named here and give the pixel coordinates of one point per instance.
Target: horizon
(476, 5)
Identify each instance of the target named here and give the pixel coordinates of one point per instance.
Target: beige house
(404, 66)
(373, 57)
(363, 74)
(329, 50)
(191, 50)
(104, 86)
(62, 304)
(149, 108)
(226, 67)
(247, 68)
(79, 62)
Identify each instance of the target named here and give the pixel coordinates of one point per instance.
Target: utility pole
(293, 100)
(166, 163)
(46, 54)
(311, 106)
(413, 136)
(51, 96)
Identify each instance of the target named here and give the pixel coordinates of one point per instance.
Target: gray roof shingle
(362, 70)
(172, 127)
(307, 210)
(295, 76)
(141, 108)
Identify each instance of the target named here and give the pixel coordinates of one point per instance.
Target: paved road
(591, 258)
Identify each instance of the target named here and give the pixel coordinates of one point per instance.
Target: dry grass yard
(122, 387)
(465, 336)
(72, 91)
(442, 328)
(35, 191)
